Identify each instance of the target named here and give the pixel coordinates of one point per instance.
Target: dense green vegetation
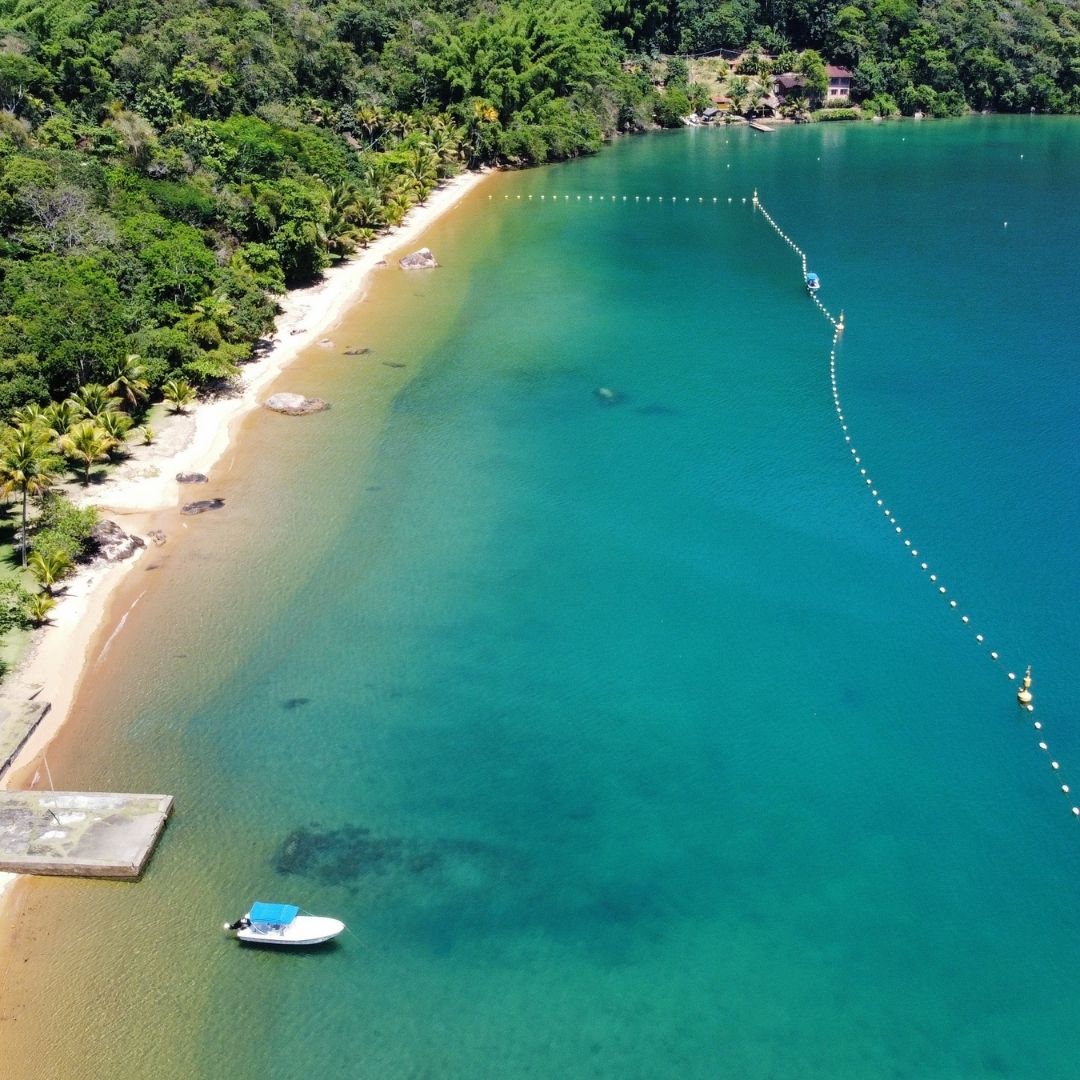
(166, 167)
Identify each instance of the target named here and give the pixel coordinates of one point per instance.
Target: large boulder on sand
(110, 542)
(419, 260)
(295, 404)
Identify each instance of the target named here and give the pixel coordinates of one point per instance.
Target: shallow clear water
(627, 738)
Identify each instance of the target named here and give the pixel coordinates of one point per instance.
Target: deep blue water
(628, 738)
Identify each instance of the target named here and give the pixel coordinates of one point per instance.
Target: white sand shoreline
(58, 656)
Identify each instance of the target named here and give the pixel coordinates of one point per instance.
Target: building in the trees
(839, 83)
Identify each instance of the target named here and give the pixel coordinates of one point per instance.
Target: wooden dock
(79, 833)
(757, 125)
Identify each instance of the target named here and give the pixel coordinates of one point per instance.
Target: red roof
(835, 72)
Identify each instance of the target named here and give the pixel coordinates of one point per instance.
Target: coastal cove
(619, 730)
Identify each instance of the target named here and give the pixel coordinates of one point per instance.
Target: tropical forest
(168, 169)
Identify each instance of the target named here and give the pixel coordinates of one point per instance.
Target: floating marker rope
(837, 324)
(1024, 697)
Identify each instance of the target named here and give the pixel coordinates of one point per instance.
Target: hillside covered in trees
(166, 167)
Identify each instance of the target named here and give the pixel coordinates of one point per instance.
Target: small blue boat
(813, 283)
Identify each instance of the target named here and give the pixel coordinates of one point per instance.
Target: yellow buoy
(1024, 695)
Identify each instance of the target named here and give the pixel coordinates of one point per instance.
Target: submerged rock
(192, 478)
(109, 542)
(201, 506)
(419, 260)
(295, 404)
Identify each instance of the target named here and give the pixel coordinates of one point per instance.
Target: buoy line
(575, 197)
(1024, 696)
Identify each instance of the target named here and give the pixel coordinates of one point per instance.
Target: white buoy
(1065, 788)
(1038, 725)
(994, 656)
(1042, 746)
(1012, 676)
(1054, 765)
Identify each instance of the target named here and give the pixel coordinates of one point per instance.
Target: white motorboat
(282, 924)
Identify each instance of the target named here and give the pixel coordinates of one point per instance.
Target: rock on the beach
(201, 506)
(191, 478)
(157, 536)
(295, 404)
(419, 260)
(109, 542)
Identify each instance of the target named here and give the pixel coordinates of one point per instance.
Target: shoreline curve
(150, 486)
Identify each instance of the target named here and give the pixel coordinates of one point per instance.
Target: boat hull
(303, 930)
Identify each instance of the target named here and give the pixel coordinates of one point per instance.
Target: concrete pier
(21, 711)
(79, 834)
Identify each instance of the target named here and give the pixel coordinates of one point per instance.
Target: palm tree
(397, 206)
(38, 607)
(446, 146)
(61, 415)
(422, 168)
(210, 321)
(31, 415)
(369, 118)
(27, 465)
(129, 380)
(738, 89)
(92, 401)
(48, 568)
(340, 225)
(116, 424)
(398, 124)
(88, 443)
(367, 211)
(179, 394)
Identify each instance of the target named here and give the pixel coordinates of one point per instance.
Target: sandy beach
(59, 655)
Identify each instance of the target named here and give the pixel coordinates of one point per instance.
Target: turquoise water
(627, 738)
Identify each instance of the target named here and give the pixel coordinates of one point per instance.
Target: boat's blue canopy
(811, 277)
(278, 914)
